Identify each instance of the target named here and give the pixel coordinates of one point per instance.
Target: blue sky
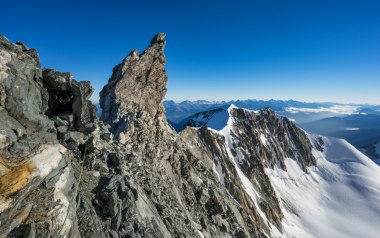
(308, 50)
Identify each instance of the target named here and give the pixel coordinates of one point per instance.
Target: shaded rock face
(68, 97)
(276, 138)
(36, 170)
(21, 88)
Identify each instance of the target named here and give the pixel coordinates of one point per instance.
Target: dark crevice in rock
(69, 98)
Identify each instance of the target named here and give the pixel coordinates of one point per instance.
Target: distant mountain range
(301, 112)
(359, 124)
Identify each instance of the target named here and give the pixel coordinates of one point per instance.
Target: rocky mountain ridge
(64, 173)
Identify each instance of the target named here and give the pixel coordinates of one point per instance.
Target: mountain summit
(232, 172)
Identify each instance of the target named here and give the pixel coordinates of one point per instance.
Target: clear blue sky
(308, 50)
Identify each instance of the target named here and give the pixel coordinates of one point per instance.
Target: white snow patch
(232, 106)
(263, 139)
(200, 234)
(218, 120)
(218, 170)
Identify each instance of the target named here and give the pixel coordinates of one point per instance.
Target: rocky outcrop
(21, 90)
(211, 146)
(181, 194)
(277, 137)
(39, 110)
(36, 176)
(136, 89)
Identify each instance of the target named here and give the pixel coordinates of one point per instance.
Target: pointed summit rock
(136, 88)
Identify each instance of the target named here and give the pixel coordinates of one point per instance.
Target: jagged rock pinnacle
(136, 88)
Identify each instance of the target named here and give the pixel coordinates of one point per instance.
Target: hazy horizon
(268, 99)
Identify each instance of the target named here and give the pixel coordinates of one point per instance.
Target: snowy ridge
(247, 185)
(215, 119)
(339, 197)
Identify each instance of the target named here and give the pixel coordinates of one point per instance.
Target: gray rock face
(136, 88)
(36, 174)
(21, 88)
(213, 147)
(277, 138)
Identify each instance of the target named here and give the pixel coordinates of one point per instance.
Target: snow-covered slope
(338, 196)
